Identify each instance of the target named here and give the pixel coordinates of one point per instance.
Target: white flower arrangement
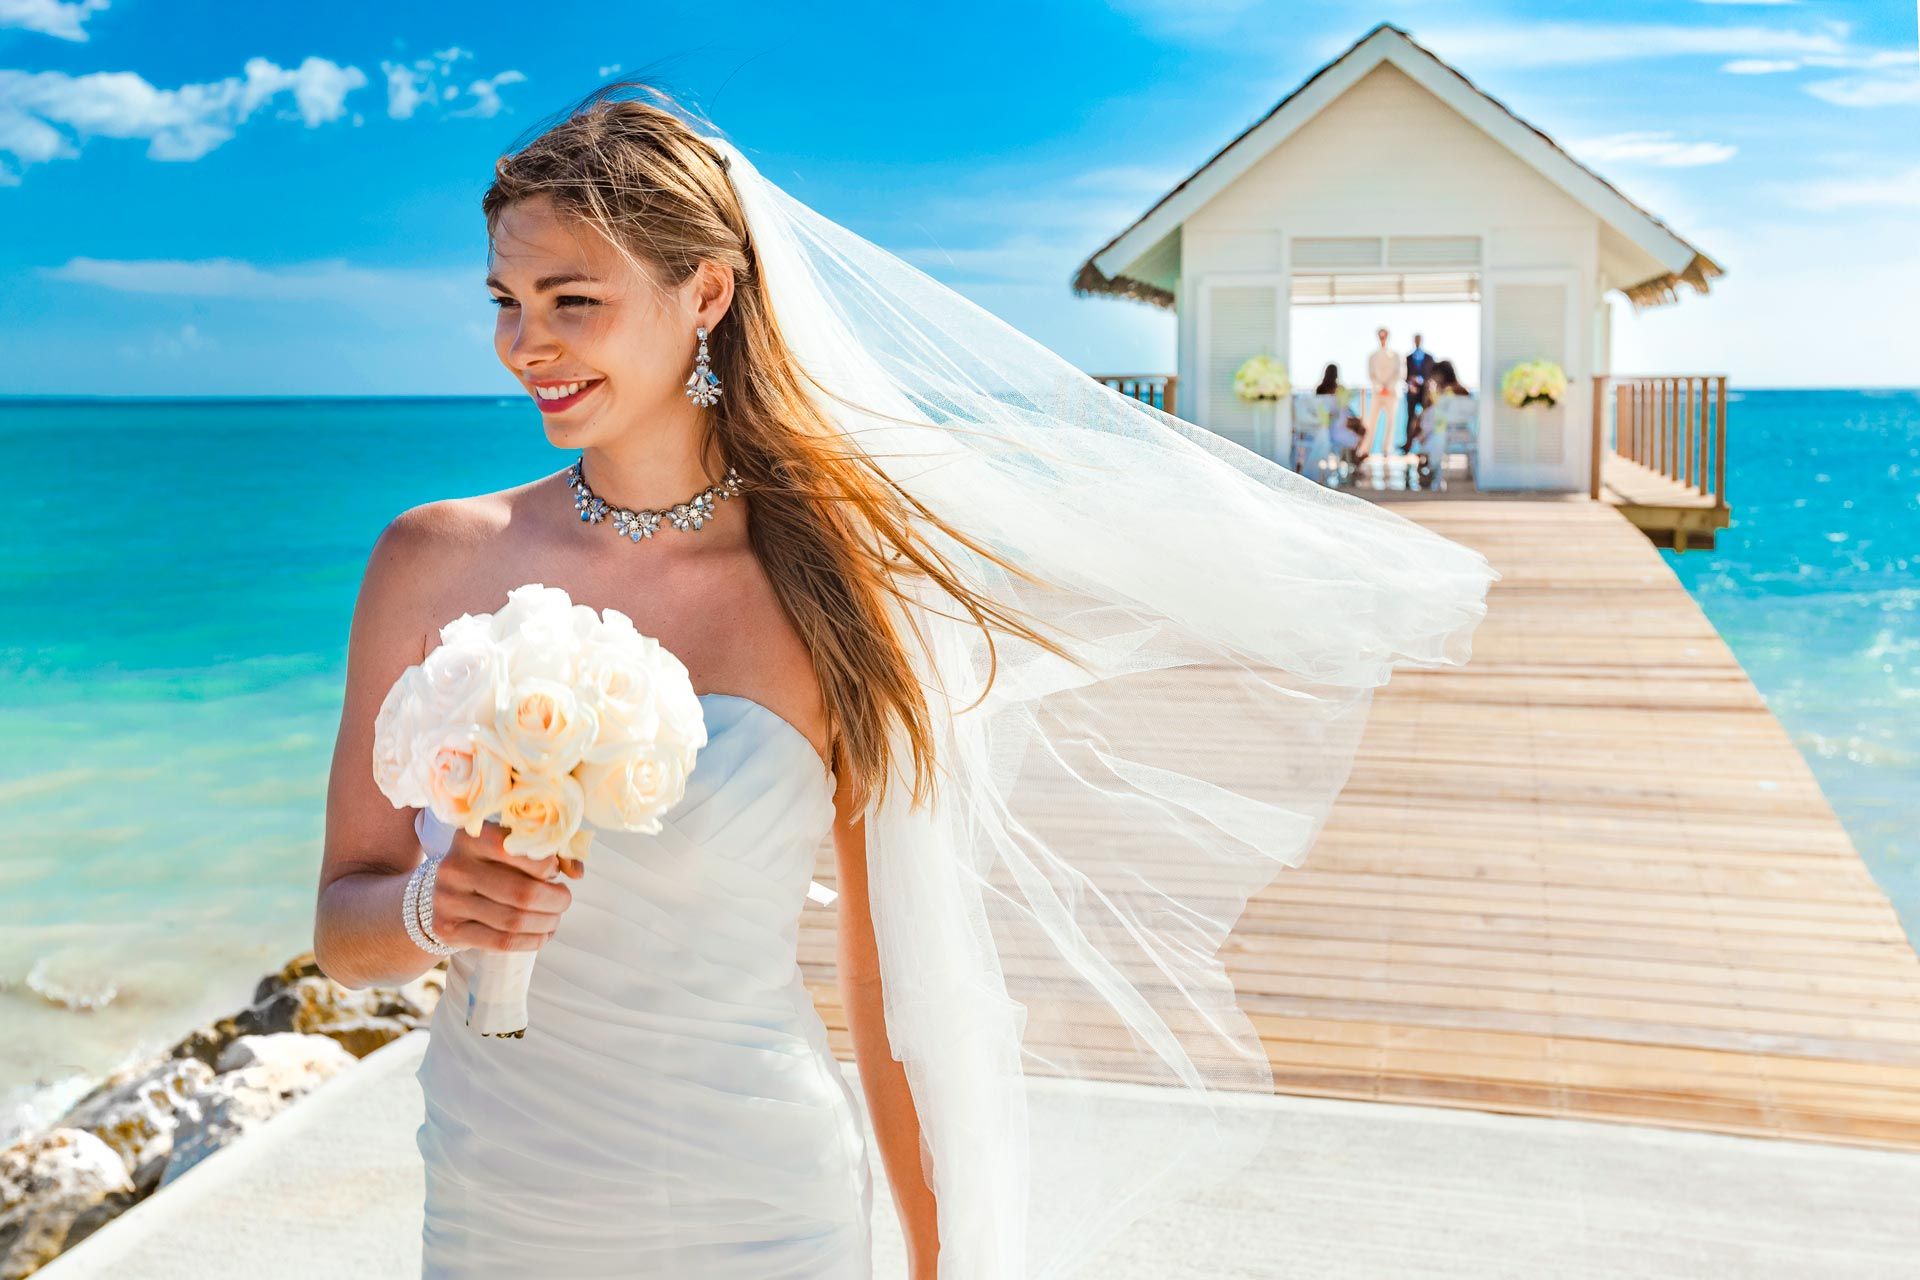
(551, 719)
(1533, 381)
(1261, 378)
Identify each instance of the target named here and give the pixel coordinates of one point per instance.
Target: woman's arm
(896, 1125)
(370, 847)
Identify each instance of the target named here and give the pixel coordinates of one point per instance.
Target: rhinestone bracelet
(441, 945)
(422, 880)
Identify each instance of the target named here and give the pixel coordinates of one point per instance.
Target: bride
(1061, 680)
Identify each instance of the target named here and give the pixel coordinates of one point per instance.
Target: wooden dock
(1669, 513)
(1587, 875)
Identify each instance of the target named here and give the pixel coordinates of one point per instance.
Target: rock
(299, 998)
(152, 1120)
(138, 1111)
(56, 1189)
(260, 1077)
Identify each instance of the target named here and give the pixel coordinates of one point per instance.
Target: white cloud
(1899, 191)
(612, 68)
(429, 81)
(1869, 91)
(65, 21)
(1060, 219)
(1760, 66)
(327, 280)
(49, 115)
(1661, 149)
(1551, 44)
(486, 94)
(174, 345)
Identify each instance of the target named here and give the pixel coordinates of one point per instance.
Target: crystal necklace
(636, 525)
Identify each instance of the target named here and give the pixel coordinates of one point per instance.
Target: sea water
(179, 579)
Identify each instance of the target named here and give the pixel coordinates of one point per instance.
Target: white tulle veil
(1056, 918)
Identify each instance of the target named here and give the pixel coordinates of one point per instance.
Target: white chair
(1450, 426)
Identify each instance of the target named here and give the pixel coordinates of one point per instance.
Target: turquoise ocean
(179, 578)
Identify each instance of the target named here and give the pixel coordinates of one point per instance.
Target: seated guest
(1343, 426)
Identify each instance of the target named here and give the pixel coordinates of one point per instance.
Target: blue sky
(219, 199)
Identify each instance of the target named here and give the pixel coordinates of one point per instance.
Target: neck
(656, 467)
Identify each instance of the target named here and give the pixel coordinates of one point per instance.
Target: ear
(712, 293)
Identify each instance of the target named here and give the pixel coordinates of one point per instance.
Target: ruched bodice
(674, 1107)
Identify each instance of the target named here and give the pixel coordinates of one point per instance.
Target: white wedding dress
(674, 1108)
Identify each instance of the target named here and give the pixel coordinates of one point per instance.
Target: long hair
(1328, 381)
(835, 535)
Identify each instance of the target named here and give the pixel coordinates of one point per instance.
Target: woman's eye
(565, 299)
(498, 301)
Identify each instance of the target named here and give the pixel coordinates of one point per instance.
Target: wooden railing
(1672, 424)
(1156, 389)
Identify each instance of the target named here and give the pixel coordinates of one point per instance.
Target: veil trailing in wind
(1051, 926)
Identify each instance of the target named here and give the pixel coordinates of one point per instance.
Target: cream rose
(543, 726)
(541, 814)
(631, 791)
(468, 779)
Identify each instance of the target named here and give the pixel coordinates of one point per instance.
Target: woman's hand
(492, 900)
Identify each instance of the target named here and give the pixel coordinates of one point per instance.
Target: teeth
(560, 392)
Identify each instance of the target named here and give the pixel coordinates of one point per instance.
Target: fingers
(509, 887)
(482, 937)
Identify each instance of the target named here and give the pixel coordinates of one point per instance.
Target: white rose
(683, 720)
(630, 792)
(544, 726)
(531, 600)
(394, 757)
(621, 691)
(545, 646)
(468, 779)
(460, 680)
(541, 814)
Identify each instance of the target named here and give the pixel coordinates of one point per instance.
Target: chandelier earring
(703, 388)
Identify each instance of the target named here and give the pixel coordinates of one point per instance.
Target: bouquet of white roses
(1261, 378)
(551, 719)
(1533, 380)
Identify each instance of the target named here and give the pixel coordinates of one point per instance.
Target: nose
(532, 343)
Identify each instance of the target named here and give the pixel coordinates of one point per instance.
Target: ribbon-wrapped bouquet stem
(551, 719)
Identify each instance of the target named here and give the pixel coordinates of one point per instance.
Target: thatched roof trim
(1088, 282)
(1658, 291)
(1654, 291)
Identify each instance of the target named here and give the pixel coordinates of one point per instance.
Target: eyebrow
(545, 283)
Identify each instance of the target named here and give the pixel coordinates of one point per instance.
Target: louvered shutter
(1243, 321)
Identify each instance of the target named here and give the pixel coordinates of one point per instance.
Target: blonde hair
(833, 532)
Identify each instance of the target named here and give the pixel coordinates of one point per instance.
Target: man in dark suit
(1419, 369)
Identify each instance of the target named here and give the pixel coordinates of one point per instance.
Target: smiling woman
(944, 572)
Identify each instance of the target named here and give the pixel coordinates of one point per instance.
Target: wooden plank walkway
(1668, 512)
(1586, 875)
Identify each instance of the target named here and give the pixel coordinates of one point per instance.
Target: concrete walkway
(333, 1188)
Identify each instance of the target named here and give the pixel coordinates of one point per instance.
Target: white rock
(56, 1188)
(260, 1077)
(140, 1113)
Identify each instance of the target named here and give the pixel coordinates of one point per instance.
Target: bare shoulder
(424, 556)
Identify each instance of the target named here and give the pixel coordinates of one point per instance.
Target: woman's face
(595, 341)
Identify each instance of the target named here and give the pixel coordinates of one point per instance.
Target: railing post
(1672, 453)
(1720, 444)
(1697, 461)
(1599, 426)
